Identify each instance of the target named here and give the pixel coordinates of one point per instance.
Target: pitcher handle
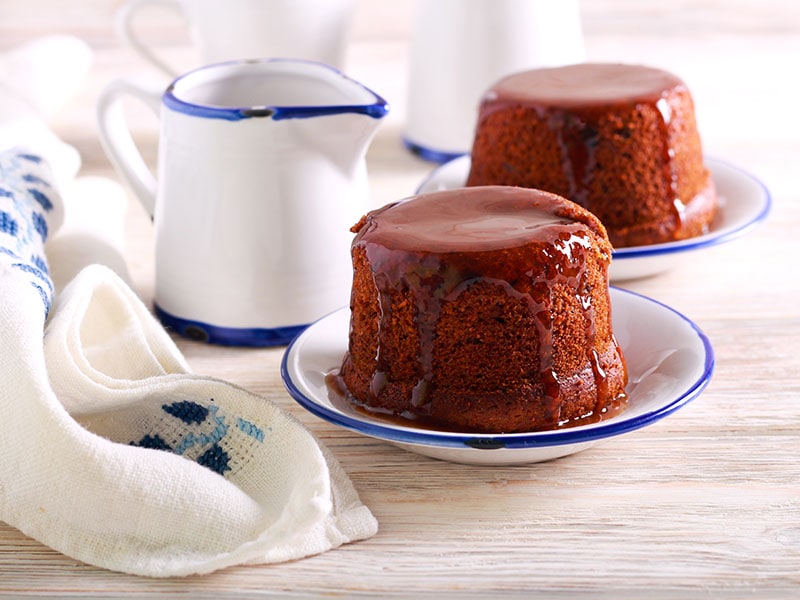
(124, 26)
(115, 137)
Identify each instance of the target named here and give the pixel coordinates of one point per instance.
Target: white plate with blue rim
(669, 359)
(744, 201)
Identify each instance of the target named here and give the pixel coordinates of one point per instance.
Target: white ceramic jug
(459, 48)
(261, 174)
(241, 29)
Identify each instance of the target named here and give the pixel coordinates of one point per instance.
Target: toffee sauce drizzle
(434, 279)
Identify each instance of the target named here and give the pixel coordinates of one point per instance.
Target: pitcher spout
(337, 117)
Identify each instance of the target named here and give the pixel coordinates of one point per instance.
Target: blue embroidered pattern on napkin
(25, 199)
(198, 431)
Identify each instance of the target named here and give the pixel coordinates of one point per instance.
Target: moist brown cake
(620, 140)
(483, 309)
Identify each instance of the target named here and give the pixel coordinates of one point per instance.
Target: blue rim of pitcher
(430, 154)
(377, 109)
(228, 336)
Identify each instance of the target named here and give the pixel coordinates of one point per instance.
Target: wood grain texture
(705, 503)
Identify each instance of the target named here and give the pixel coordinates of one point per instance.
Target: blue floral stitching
(154, 442)
(40, 264)
(202, 439)
(30, 178)
(40, 225)
(8, 224)
(186, 411)
(21, 220)
(250, 429)
(35, 272)
(45, 297)
(214, 457)
(42, 199)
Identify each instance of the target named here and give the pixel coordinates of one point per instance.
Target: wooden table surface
(705, 503)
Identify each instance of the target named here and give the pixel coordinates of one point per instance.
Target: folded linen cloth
(113, 452)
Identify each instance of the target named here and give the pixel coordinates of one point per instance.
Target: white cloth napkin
(113, 452)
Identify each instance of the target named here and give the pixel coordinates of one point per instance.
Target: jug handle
(124, 26)
(115, 137)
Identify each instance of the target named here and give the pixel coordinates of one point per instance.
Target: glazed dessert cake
(620, 140)
(483, 309)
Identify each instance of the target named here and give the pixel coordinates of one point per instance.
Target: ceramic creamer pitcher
(261, 174)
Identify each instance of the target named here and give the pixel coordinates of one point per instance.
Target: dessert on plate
(483, 309)
(620, 140)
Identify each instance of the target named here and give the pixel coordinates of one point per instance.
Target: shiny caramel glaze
(620, 140)
(482, 309)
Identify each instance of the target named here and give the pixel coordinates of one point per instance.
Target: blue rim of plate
(704, 241)
(430, 154)
(511, 441)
